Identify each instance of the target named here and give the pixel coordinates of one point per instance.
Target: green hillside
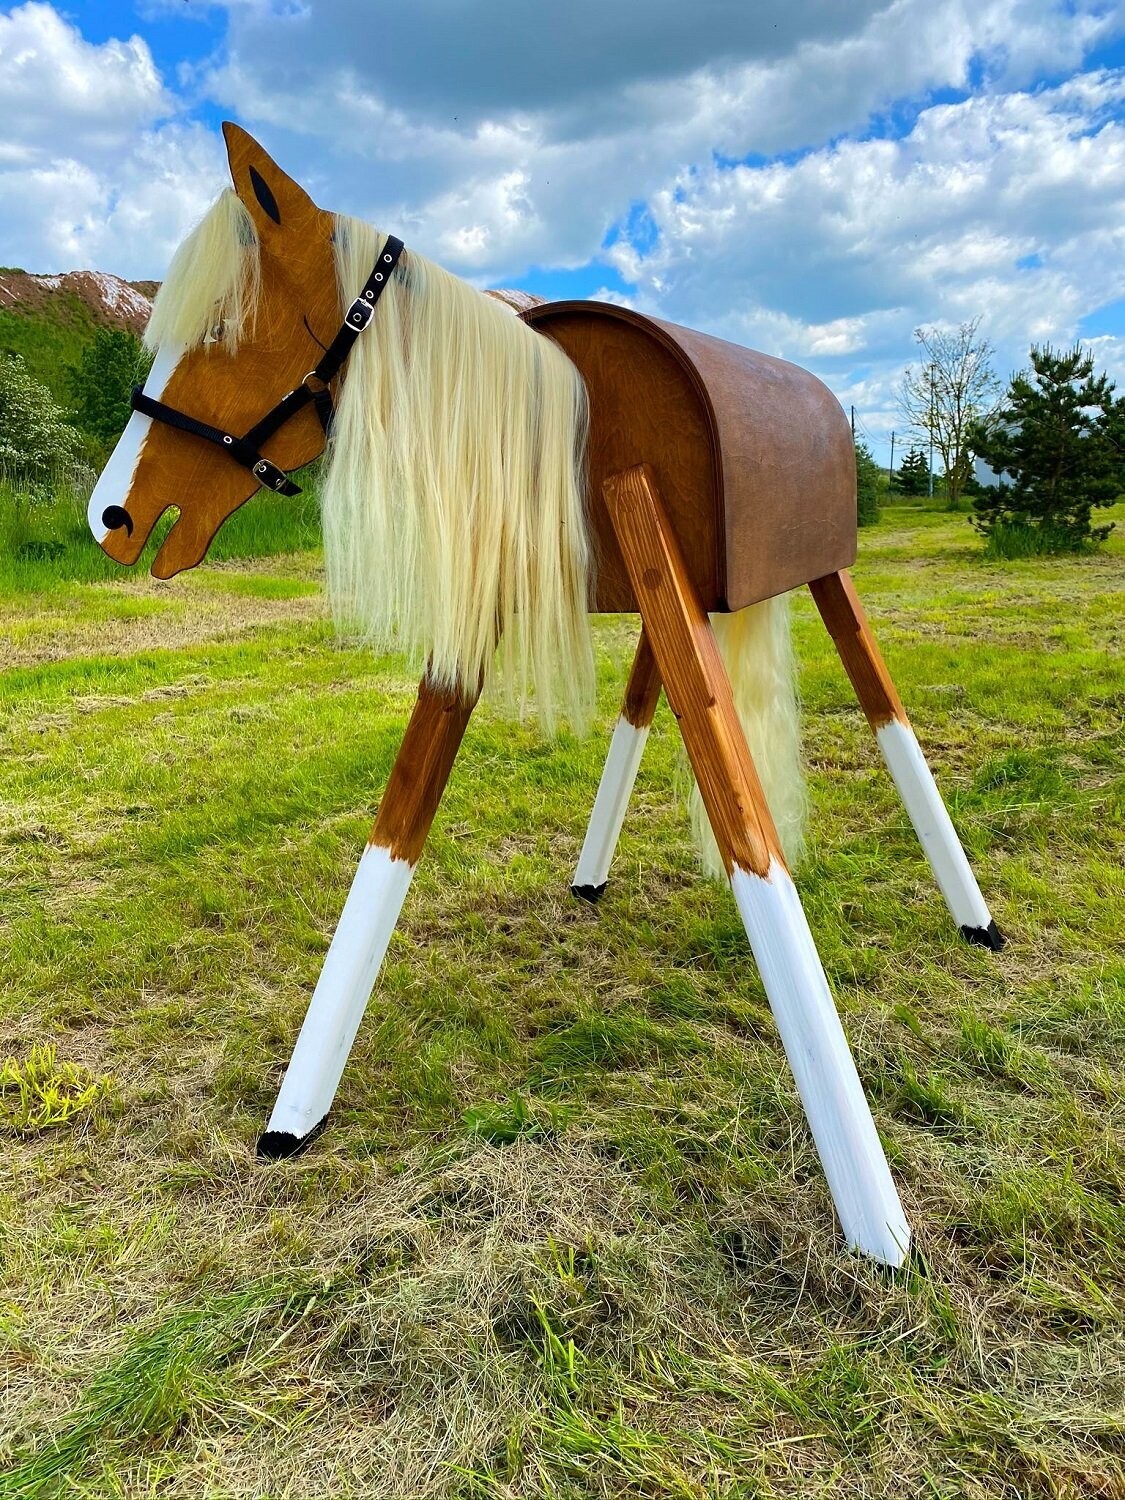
(49, 339)
(50, 319)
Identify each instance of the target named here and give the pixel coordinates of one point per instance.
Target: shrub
(112, 363)
(37, 444)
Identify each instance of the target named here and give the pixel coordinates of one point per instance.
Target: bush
(868, 486)
(111, 365)
(1058, 438)
(38, 447)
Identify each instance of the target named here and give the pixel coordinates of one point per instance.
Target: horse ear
(272, 197)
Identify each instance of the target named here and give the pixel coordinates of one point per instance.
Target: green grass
(567, 1235)
(50, 341)
(44, 547)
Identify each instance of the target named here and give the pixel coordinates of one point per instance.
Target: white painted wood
(865, 1196)
(932, 824)
(342, 991)
(116, 478)
(610, 805)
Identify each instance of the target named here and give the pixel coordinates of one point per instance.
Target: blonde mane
(453, 497)
(211, 289)
(454, 515)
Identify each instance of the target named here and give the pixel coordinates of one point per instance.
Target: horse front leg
(642, 693)
(411, 798)
(699, 693)
(843, 615)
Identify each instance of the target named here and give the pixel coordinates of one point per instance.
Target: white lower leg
(936, 832)
(339, 1000)
(838, 1114)
(610, 806)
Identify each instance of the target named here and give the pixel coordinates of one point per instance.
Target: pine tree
(1057, 439)
(913, 475)
(867, 476)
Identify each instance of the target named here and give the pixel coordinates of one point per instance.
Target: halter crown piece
(245, 450)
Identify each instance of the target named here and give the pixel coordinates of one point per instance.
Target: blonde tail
(757, 649)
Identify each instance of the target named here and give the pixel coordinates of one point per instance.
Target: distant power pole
(853, 424)
(931, 432)
(891, 469)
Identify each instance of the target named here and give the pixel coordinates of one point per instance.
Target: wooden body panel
(752, 456)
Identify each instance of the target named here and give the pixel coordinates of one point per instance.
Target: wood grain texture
(843, 614)
(421, 770)
(695, 679)
(753, 456)
(232, 391)
(642, 691)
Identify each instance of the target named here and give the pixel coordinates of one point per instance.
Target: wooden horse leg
(642, 693)
(843, 614)
(411, 798)
(700, 695)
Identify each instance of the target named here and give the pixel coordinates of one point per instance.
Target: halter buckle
(269, 476)
(359, 314)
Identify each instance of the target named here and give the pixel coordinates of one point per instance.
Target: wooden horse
(717, 478)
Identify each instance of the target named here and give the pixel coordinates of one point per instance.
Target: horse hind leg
(700, 696)
(843, 615)
(642, 692)
(410, 800)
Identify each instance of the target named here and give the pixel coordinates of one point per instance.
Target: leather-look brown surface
(753, 456)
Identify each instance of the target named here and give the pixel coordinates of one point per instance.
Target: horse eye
(216, 334)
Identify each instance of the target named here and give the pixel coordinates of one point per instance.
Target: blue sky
(816, 180)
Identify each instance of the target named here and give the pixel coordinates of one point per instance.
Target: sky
(814, 178)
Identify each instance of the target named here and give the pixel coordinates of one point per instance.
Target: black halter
(245, 450)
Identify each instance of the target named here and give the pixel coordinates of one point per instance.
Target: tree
(867, 484)
(37, 444)
(1058, 437)
(913, 475)
(112, 363)
(953, 389)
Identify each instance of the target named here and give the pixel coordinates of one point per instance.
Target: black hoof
(276, 1145)
(591, 893)
(984, 937)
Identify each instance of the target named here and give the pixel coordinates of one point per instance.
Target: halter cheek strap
(245, 450)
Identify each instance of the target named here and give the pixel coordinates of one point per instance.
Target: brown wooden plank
(844, 617)
(642, 691)
(695, 680)
(421, 770)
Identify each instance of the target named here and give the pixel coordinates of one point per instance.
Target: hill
(48, 319)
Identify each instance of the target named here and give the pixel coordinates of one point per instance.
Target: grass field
(567, 1235)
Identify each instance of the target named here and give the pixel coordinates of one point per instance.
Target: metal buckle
(269, 475)
(359, 314)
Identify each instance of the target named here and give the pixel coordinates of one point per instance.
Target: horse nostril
(116, 515)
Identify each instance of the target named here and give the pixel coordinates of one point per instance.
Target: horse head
(223, 377)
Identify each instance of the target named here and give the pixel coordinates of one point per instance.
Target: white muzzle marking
(116, 478)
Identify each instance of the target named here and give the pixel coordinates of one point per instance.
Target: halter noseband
(245, 450)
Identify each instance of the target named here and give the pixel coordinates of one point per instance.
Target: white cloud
(496, 136)
(92, 172)
(1009, 206)
(57, 86)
